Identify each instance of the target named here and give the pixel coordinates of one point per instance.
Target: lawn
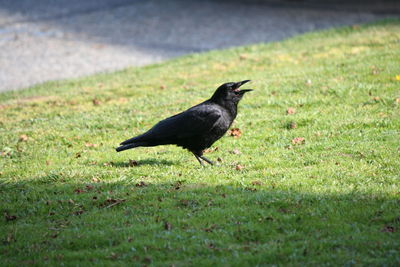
(313, 179)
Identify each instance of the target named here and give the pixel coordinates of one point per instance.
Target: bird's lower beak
(245, 91)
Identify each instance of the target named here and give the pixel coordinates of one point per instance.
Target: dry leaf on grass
(96, 102)
(79, 191)
(243, 56)
(89, 187)
(23, 138)
(133, 163)
(91, 145)
(235, 151)
(235, 132)
(298, 141)
(388, 229)
(290, 111)
(292, 125)
(9, 217)
(141, 184)
(209, 150)
(239, 167)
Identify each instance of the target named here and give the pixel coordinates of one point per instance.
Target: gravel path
(56, 39)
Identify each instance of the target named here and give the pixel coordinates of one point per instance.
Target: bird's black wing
(195, 121)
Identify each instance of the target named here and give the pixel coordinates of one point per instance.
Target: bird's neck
(229, 106)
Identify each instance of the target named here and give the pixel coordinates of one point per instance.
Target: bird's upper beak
(238, 84)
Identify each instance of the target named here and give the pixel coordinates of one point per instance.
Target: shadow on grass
(205, 223)
(138, 163)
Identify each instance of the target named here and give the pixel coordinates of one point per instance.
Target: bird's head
(230, 92)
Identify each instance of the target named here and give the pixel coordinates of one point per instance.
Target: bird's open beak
(238, 84)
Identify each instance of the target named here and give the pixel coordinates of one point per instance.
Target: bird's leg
(198, 158)
(207, 160)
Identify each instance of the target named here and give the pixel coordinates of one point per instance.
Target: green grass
(68, 199)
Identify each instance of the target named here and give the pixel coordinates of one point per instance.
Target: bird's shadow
(144, 162)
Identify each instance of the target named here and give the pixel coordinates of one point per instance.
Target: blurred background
(43, 40)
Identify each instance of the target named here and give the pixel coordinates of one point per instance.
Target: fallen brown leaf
(292, 125)
(243, 56)
(256, 182)
(9, 217)
(91, 145)
(235, 151)
(209, 150)
(388, 229)
(239, 167)
(298, 141)
(89, 187)
(141, 184)
(133, 163)
(23, 138)
(79, 191)
(96, 102)
(290, 111)
(235, 132)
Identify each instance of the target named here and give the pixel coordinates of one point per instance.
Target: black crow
(196, 128)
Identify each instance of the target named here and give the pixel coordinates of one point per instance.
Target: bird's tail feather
(128, 146)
